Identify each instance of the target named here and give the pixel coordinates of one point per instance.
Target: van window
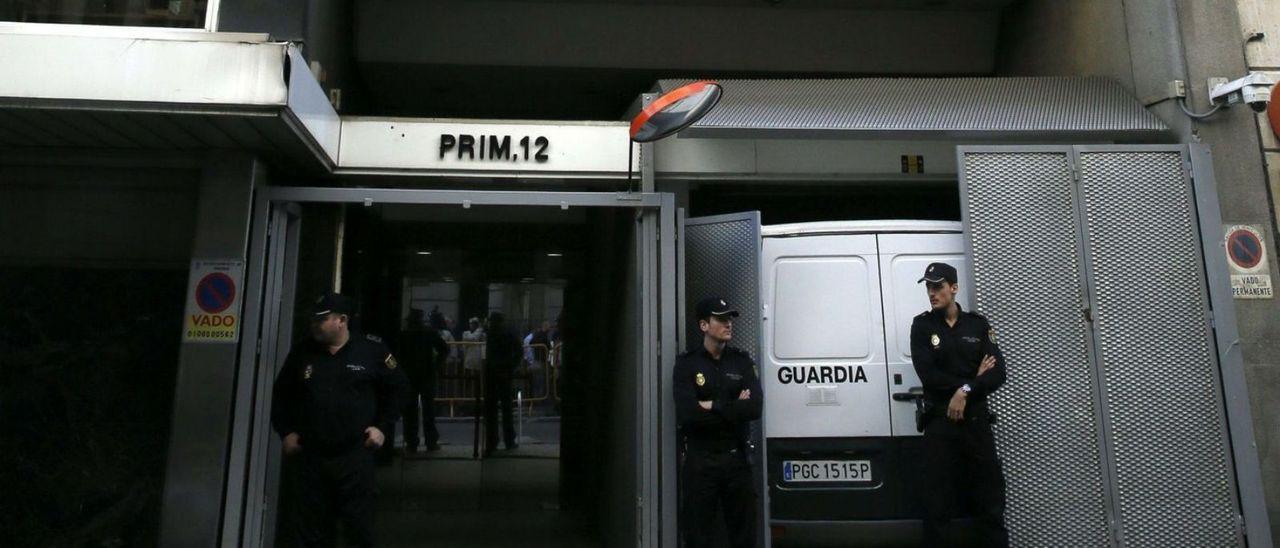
(822, 308)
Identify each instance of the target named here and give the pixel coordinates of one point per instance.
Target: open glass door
(722, 257)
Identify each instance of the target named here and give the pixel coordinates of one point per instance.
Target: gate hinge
(1213, 320)
(1244, 531)
(1088, 315)
(1075, 174)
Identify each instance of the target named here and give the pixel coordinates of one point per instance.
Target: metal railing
(461, 379)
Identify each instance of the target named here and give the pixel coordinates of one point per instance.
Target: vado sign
(213, 301)
(1247, 260)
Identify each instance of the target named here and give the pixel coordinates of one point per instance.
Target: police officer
(422, 351)
(717, 395)
(502, 355)
(955, 355)
(337, 398)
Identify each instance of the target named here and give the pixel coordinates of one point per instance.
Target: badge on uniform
(934, 340)
(306, 373)
(991, 334)
(390, 361)
(701, 380)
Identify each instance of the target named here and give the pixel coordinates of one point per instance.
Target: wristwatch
(966, 389)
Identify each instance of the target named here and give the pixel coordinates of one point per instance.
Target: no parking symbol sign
(213, 301)
(1247, 260)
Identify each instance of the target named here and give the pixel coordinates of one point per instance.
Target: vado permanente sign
(213, 301)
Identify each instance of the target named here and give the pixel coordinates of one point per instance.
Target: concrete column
(196, 473)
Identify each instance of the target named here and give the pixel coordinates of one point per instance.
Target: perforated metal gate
(1087, 261)
(722, 258)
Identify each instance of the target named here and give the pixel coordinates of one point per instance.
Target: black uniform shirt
(700, 377)
(330, 399)
(947, 357)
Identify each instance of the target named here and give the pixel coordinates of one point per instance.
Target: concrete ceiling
(590, 59)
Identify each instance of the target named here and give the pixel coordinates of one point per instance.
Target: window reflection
(132, 13)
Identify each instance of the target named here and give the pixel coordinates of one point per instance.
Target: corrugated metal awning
(163, 91)
(1091, 108)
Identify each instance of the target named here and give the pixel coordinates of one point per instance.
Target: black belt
(713, 446)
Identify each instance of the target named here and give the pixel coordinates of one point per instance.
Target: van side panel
(903, 259)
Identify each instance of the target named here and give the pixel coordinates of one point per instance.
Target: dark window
(132, 13)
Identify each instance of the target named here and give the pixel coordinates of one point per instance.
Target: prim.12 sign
(494, 148)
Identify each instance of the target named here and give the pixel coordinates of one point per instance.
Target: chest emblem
(354, 367)
(934, 340)
(701, 380)
(306, 373)
(390, 361)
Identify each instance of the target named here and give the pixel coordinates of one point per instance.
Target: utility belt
(927, 410)
(712, 446)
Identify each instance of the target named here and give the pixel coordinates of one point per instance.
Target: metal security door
(1159, 370)
(1024, 246)
(1090, 265)
(722, 258)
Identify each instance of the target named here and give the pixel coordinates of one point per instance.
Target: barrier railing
(461, 379)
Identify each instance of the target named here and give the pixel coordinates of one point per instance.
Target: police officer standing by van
(955, 355)
(336, 400)
(717, 395)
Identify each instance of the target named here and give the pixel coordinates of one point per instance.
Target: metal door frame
(249, 463)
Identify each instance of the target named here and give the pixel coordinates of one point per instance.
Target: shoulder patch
(991, 335)
(374, 338)
(924, 314)
(390, 361)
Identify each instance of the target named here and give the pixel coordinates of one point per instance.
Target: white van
(838, 300)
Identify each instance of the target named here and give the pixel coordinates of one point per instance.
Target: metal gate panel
(722, 258)
(1024, 247)
(1160, 384)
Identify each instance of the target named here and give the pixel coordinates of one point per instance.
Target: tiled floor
(447, 499)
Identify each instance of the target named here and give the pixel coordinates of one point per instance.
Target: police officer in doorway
(717, 395)
(955, 355)
(502, 355)
(423, 352)
(336, 400)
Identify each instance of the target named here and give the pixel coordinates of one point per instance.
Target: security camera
(1254, 89)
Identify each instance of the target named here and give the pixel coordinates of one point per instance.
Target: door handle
(916, 393)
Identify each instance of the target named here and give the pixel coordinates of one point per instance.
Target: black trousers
(330, 488)
(963, 471)
(422, 383)
(497, 393)
(718, 483)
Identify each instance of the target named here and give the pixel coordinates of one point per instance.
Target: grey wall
(1143, 44)
(77, 216)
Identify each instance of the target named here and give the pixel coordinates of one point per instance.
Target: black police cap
(714, 306)
(938, 272)
(333, 303)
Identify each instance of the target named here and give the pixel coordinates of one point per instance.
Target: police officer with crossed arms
(956, 357)
(717, 395)
(336, 400)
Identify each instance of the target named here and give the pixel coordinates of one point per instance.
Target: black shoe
(512, 446)
(410, 449)
(433, 447)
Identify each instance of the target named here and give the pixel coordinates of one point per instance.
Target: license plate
(826, 470)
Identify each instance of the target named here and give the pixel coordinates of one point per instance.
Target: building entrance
(566, 271)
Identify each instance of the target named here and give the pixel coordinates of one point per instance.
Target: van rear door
(903, 258)
(824, 371)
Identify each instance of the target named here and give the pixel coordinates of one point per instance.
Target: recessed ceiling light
(424, 252)
(555, 254)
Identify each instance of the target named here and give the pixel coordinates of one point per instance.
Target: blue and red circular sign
(1244, 248)
(215, 293)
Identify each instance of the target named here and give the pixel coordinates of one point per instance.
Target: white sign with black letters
(568, 148)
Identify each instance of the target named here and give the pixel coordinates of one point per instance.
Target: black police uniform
(502, 355)
(717, 472)
(961, 456)
(329, 400)
(421, 350)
